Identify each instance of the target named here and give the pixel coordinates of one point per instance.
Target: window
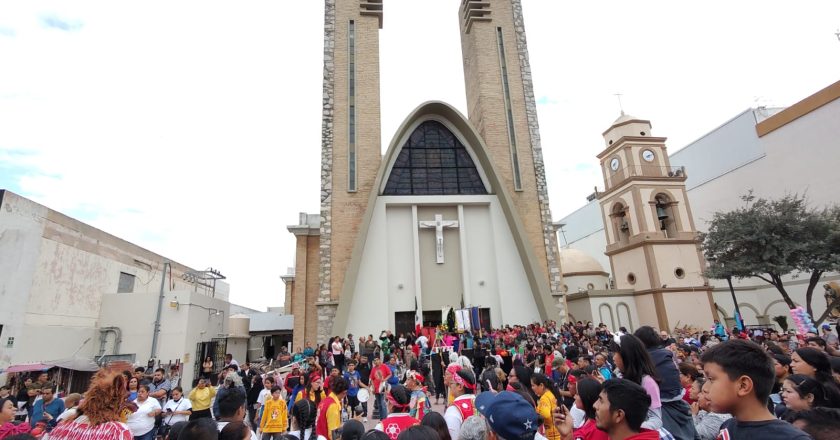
(514, 155)
(126, 284)
(679, 273)
(631, 278)
(351, 110)
(434, 162)
(590, 286)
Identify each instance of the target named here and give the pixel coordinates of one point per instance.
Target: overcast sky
(192, 128)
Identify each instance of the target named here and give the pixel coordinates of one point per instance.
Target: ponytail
(542, 379)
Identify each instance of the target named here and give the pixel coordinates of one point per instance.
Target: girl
(303, 419)
(547, 392)
(100, 411)
(633, 361)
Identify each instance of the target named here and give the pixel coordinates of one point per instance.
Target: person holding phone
(178, 408)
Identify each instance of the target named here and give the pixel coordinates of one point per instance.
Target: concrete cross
(439, 224)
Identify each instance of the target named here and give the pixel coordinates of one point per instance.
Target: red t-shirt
(589, 432)
(385, 370)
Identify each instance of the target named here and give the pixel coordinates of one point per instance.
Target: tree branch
(835, 303)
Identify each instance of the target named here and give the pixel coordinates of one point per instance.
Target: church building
(455, 213)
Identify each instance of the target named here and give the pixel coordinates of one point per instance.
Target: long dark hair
(589, 390)
(308, 379)
(542, 379)
(635, 359)
(438, 423)
(304, 412)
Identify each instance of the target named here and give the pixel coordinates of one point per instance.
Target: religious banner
(475, 318)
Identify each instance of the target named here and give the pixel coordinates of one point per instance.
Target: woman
(142, 422)
(207, 368)
(435, 421)
(547, 392)
(100, 411)
(800, 393)
(688, 375)
(7, 416)
(133, 384)
(303, 419)
(201, 398)
(635, 364)
(706, 423)
(337, 348)
(313, 389)
(177, 409)
(588, 392)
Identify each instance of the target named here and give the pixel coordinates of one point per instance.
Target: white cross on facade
(439, 224)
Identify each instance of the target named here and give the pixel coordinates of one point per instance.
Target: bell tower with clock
(651, 239)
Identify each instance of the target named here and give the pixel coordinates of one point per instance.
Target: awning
(78, 364)
(27, 367)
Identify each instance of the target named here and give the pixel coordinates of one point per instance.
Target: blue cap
(508, 414)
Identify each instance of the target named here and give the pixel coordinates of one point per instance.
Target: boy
(275, 417)
(741, 376)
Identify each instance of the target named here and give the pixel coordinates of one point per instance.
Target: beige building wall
(55, 273)
(484, 62)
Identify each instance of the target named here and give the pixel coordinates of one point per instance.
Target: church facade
(454, 214)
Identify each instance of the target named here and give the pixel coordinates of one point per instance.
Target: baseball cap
(508, 414)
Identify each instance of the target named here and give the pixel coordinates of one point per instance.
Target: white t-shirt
(264, 393)
(182, 405)
(423, 341)
(139, 422)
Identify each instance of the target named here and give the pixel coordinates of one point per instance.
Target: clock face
(647, 155)
(614, 164)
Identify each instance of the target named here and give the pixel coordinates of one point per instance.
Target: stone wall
(550, 238)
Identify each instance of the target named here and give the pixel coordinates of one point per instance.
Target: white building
(772, 152)
(70, 290)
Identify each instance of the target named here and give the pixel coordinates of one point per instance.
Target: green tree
(769, 239)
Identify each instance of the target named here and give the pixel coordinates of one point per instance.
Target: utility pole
(159, 308)
(739, 319)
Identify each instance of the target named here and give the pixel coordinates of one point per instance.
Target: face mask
(578, 416)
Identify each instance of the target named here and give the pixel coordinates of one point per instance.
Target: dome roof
(624, 118)
(574, 261)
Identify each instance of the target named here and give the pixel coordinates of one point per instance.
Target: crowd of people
(540, 381)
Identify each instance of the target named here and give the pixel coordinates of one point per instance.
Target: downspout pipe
(103, 336)
(159, 309)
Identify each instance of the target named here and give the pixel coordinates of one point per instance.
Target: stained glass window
(433, 162)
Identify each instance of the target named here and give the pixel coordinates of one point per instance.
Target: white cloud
(193, 128)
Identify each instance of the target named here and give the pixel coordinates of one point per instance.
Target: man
(364, 381)
(602, 366)
(232, 409)
(620, 410)
(329, 412)
(334, 372)
(230, 361)
(140, 375)
(508, 416)
(175, 376)
(380, 373)
(247, 375)
(489, 380)
(47, 408)
(159, 388)
(308, 351)
(351, 343)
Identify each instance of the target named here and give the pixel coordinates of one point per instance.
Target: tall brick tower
(350, 140)
(501, 105)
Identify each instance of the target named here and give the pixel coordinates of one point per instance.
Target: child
(741, 376)
(275, 417)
